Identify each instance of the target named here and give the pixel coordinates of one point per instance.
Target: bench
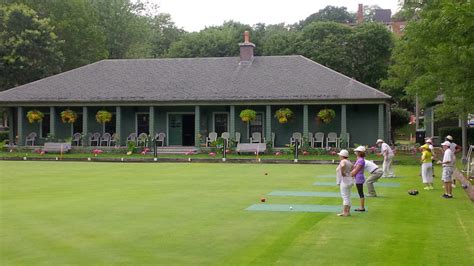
(251, 147)
(56, 147)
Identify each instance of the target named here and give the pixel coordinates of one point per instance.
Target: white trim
(167, 123)
(263, 126)
(214, 120)
(136, 121)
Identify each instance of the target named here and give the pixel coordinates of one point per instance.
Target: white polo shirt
(370, 166)
(387, 148)
(449, 156)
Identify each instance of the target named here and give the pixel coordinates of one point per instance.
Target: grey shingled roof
(279, 78)
(383, 15)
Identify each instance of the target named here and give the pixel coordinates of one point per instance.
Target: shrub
(4, 135)
(68, 116)
(34, 116)
(248, 115)
(103, 116)
(283, 115)
(326, 115)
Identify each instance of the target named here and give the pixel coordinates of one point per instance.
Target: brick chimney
(360, 14)
(246, 50)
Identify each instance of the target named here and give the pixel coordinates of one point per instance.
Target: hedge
(456, 133)
(3, 135)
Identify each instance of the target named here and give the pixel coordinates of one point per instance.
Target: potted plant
(283, 115)
(102, 117)
(34, 116)
(326, 115)
(68, 116)
(248, 115)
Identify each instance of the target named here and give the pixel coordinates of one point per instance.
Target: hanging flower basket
(326, 115)
(34, 116)
(248, 115)
(103, 116)
(68, 116)
(283, 115)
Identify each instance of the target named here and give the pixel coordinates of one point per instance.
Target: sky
(194, 15)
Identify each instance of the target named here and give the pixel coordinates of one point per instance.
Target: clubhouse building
(187, 99)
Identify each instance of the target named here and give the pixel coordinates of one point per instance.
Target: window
(221, 123)
(256, 125)
(45, 126)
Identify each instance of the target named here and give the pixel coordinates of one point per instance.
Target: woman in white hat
(387, 154)
(345, 182)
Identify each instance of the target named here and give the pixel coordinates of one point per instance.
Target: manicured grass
(59, 213)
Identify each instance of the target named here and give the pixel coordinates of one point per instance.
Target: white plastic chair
(105, 138)
(311, 139)
(296, 137)
(160, 137)
(256, 137)
(332, 138)
(237, 137)
(94, 138)
(319, 138)
(132, 137)
(31, 138)
(142, 139)
(76, 138)
(344, 137)
(211, 138)
(225, 136)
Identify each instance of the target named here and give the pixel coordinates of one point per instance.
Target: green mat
(296, 208)
(309, 194)
(376, 184)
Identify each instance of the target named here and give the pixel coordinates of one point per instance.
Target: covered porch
(191, 125)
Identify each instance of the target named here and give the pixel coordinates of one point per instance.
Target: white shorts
(447, 175)
(346, 193)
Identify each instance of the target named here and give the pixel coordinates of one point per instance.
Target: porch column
(380, 122)
(118, 125)
(305, 121)
(232, 121)
(52, 121)
(197, 127)
(388, 122)
(343, 119)
(21, 137)
(152, 121)
(268, 123)
(11, 125)
(85, 118)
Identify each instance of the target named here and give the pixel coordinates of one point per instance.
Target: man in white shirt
(448, 169)
(375, 173)
(455, 149)
(387, 154)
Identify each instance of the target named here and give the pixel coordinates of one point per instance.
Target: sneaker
(426, 188)
(449, 196)
(453, 185)
(445, 196)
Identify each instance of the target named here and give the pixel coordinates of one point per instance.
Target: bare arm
(355, 170)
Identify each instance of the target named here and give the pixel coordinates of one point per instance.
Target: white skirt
(427, 172)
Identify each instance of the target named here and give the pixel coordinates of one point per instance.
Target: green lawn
(57, 213)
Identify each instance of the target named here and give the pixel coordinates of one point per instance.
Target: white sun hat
(360, 148)
(449, 137)
(446, 143)
(379, 141)
(428, 140)
(343, 153)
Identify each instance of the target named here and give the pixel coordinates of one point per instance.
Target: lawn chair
(132, 138)
(142, 139)
(211, 138)
(319, 138)
(311, 139)
(237, 137)
(113, 140)
(343, 138)
(256, 137)
(76, 139)
(105, 139)
(226, 136)
(94, 138)
(31, 138)
(296, 137)
(160, 137)
(332, 138)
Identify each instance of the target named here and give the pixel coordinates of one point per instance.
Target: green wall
(362, 123)
(283, 132)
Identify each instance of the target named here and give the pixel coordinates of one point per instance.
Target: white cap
(449, 137)
(343, 153)
(446, 143)
(428, 140)
(379, 141)
(360, 148)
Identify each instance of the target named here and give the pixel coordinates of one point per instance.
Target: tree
(399, 117)
(435, 57)
(165, 32)
(29, 47)
(329, 13)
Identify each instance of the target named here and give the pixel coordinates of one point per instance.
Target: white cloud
(194, 15)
